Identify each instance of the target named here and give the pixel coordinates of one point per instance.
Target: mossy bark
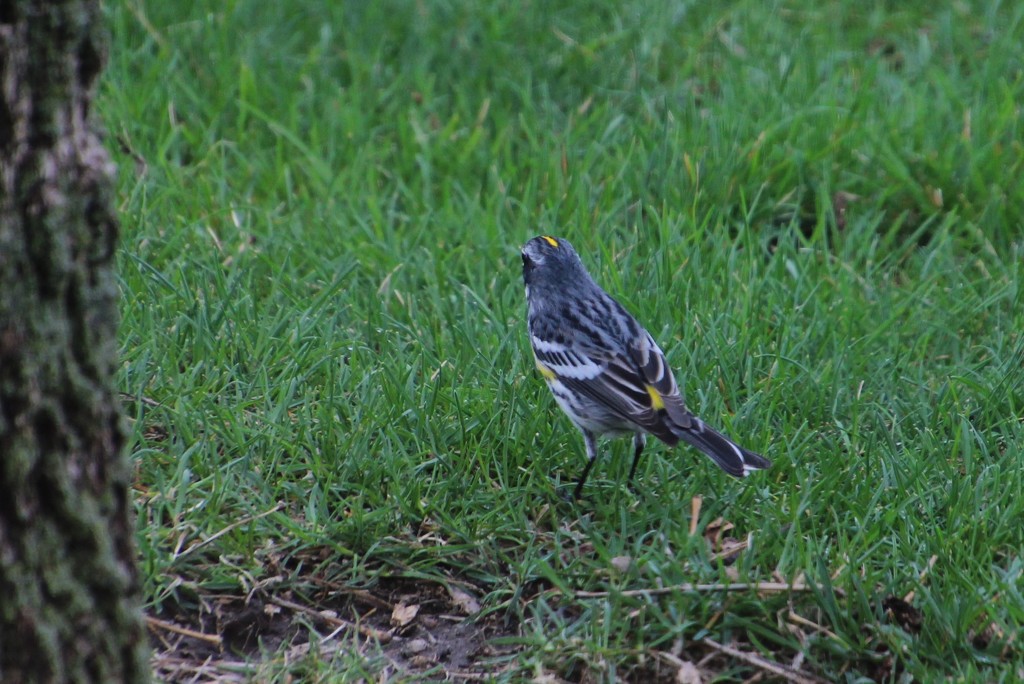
(69, 588)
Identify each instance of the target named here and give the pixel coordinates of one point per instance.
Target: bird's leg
(591, 441)
(639, 441)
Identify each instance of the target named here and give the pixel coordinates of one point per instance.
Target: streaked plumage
(605, 371)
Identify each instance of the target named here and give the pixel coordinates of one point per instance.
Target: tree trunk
(69, 589)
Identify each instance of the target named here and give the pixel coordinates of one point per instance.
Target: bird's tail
(730, 457)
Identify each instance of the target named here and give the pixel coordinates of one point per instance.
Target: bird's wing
(658, 376)
(636, 385)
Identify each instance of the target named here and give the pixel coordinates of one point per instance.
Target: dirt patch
(419, 627)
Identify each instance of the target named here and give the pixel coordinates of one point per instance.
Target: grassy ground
(815, 207)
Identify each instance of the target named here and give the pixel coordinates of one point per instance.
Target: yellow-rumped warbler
(606, 372)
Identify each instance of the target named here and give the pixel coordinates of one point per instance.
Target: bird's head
(551, 260)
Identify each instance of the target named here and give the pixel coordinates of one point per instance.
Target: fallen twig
(477, 675)
(688, 588)
(173, 668)
(244, 521)
(764, 664)
(185, 631)
(145, 400)
(801, 620)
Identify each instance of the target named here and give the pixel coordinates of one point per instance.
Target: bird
(604, 369)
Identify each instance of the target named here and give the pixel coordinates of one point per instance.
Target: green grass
(322, 206)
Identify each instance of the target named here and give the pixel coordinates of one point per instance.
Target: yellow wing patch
(545, 372)
(550, 240)
(657, 403)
